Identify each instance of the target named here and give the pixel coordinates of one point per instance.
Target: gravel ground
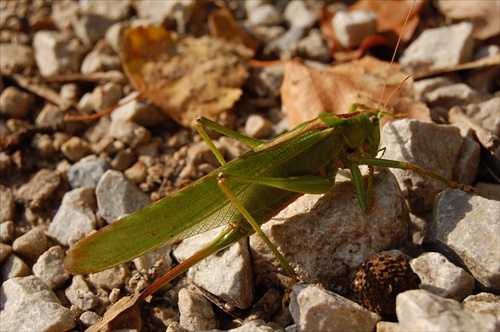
(61, 179)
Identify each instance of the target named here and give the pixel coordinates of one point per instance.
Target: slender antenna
(393, 56)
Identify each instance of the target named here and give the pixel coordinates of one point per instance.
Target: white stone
(196, 312)
(315, 309)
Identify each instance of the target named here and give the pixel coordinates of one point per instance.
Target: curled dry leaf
(307, 92)
(185, 77)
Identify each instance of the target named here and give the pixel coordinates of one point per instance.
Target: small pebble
(258, 127)
(123, 159)
(79, 294)
(32, 244)
(43, 144)
(14, 103)
(7, 231)
(111, 278)
(196, 312)
(7, 207)
(50, 267)
(353, 27)
(13, 267)
(265, 14)
(89, 318)
(87, 171)
(75, 148)
(300, 14)
(137, 173)
(29, 305)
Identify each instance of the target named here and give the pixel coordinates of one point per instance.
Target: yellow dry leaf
(185, 77)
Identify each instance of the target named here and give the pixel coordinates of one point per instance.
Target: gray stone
(75, 218)
(114, 277)
(419, 310)
(14, 103)
(16, 57)
(89, 27)
(257, 126)
(351, 28)
(442, 278)
(300, 14)
(55, 52)
(117, 196)
(465, 228)
(7, 207)
(484, 303)
(451, 95)
(27, 304)
(80, 295)
(265, 14)
(50, 268)
(258, 325)
(39, 189)
(227, 274)
(160, 259)
(87, 171)
(439, 48)
(129, 133)
(465, 169)
(13, 267)
(421, 143)
(315, 309)
(7, 231)
(284, 42)
(312, 47)
(487, 114)
(196, 312)
(326, 237)
(140, 112)
(89, 318)
(31, 244)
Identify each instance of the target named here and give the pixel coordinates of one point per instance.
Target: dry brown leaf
(483, 14)
(185, 77)
(307, 92)
(123, 304)
(223, 25)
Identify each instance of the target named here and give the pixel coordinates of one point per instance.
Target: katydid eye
(373, 120)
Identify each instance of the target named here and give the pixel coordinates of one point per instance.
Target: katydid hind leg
(255, 225)
(227, 237)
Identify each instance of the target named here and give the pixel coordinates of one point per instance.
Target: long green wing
(196, 208)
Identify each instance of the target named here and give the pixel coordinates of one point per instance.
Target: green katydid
(246, 192)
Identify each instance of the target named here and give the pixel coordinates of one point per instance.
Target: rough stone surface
(315, 309)
(16, 57)
(32, 244)
(326, 237)
(129, 132)
(440, 277)
(484, 303)
(56, 53)
(50, 269)
(75, 148)
(5, 251)
(79, 294)
(196, 312)
(439, 47)
(114, 277)
(465, 228)
(87, 171)
(7, 208)
(7, 231)
(14, 103)
(75, 218)
(39, 189)
(452, 95)
(13, 267)
(465, 169)
(27, 304)
(419, 310)
(117, 196)
(420, 143)
(227, 274)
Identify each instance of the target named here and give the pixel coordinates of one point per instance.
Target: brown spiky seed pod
(380, 279)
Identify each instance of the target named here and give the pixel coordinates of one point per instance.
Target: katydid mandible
(246, 191)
